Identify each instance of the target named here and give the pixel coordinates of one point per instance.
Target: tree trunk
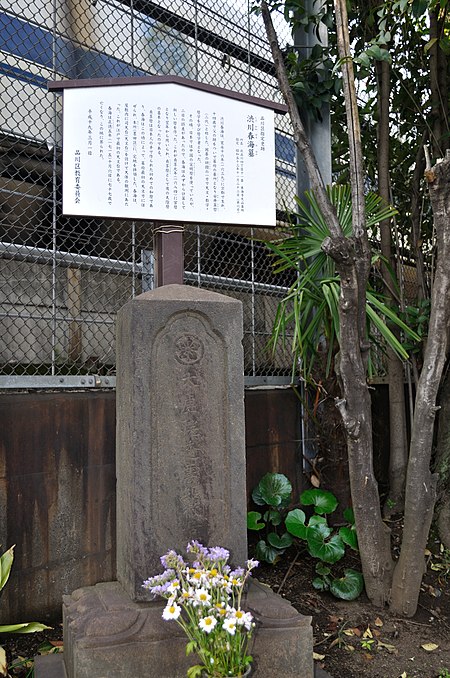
(421, 483)
(398, 451)
(352, 259)
(355, 407)
(438, 85)
(416, 219)
(442, 464)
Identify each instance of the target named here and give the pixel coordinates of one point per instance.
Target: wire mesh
(63, 279)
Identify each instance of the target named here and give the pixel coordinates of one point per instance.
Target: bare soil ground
(21, 649)
(355, 639)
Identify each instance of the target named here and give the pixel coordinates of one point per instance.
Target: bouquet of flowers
(204, 596)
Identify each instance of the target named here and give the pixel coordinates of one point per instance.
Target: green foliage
(253, 518)
(417, 318)
(296, 523)
(367, 643)
(6, 561)
(397, 32)
(270, 554)
(283, 526)
(312, 80)
(323, 544)
(274, 489)
(308, 316)
(349, 586)
(323, 501)
(195, 671)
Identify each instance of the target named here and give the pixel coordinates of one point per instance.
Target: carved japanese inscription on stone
(189, 414)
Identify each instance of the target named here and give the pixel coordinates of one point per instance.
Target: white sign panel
(167, 152)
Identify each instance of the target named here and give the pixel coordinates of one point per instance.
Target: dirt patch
(21, 649)
(354, 639)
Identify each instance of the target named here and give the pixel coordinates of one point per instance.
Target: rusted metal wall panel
(57, 489)
(273, 429)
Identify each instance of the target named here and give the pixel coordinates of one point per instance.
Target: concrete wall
(86, 303)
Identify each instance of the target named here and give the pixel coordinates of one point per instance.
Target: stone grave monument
(180, 476)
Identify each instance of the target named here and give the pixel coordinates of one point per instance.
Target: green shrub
(283, 526)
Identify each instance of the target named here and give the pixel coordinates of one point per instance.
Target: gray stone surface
(283, 641)
(106, 635)
(180, 428)
(50, 666)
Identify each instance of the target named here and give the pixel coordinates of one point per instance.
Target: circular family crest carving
(189, 349)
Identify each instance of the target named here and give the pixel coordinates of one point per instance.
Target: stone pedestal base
(106, 635)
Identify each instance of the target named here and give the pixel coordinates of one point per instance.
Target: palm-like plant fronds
(308, 315)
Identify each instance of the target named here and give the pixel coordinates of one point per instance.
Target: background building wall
(87, 268)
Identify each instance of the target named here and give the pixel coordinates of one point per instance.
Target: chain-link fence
(63, 279)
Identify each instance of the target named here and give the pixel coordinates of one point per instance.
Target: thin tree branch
(301, 139)
(351, 107)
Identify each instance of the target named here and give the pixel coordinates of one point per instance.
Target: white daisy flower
(221, 609)
(207, 624)
(197, 578)
(229, 625)
(171, 611)
(174, 586)
(201, 597)
(243, 619)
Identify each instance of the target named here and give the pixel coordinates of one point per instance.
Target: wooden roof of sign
(59, 85)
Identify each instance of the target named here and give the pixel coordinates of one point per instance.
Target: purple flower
(159, 581)
(218, 554)
(195, 546)
(237, 573)
(160, 590)
(172, 560)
